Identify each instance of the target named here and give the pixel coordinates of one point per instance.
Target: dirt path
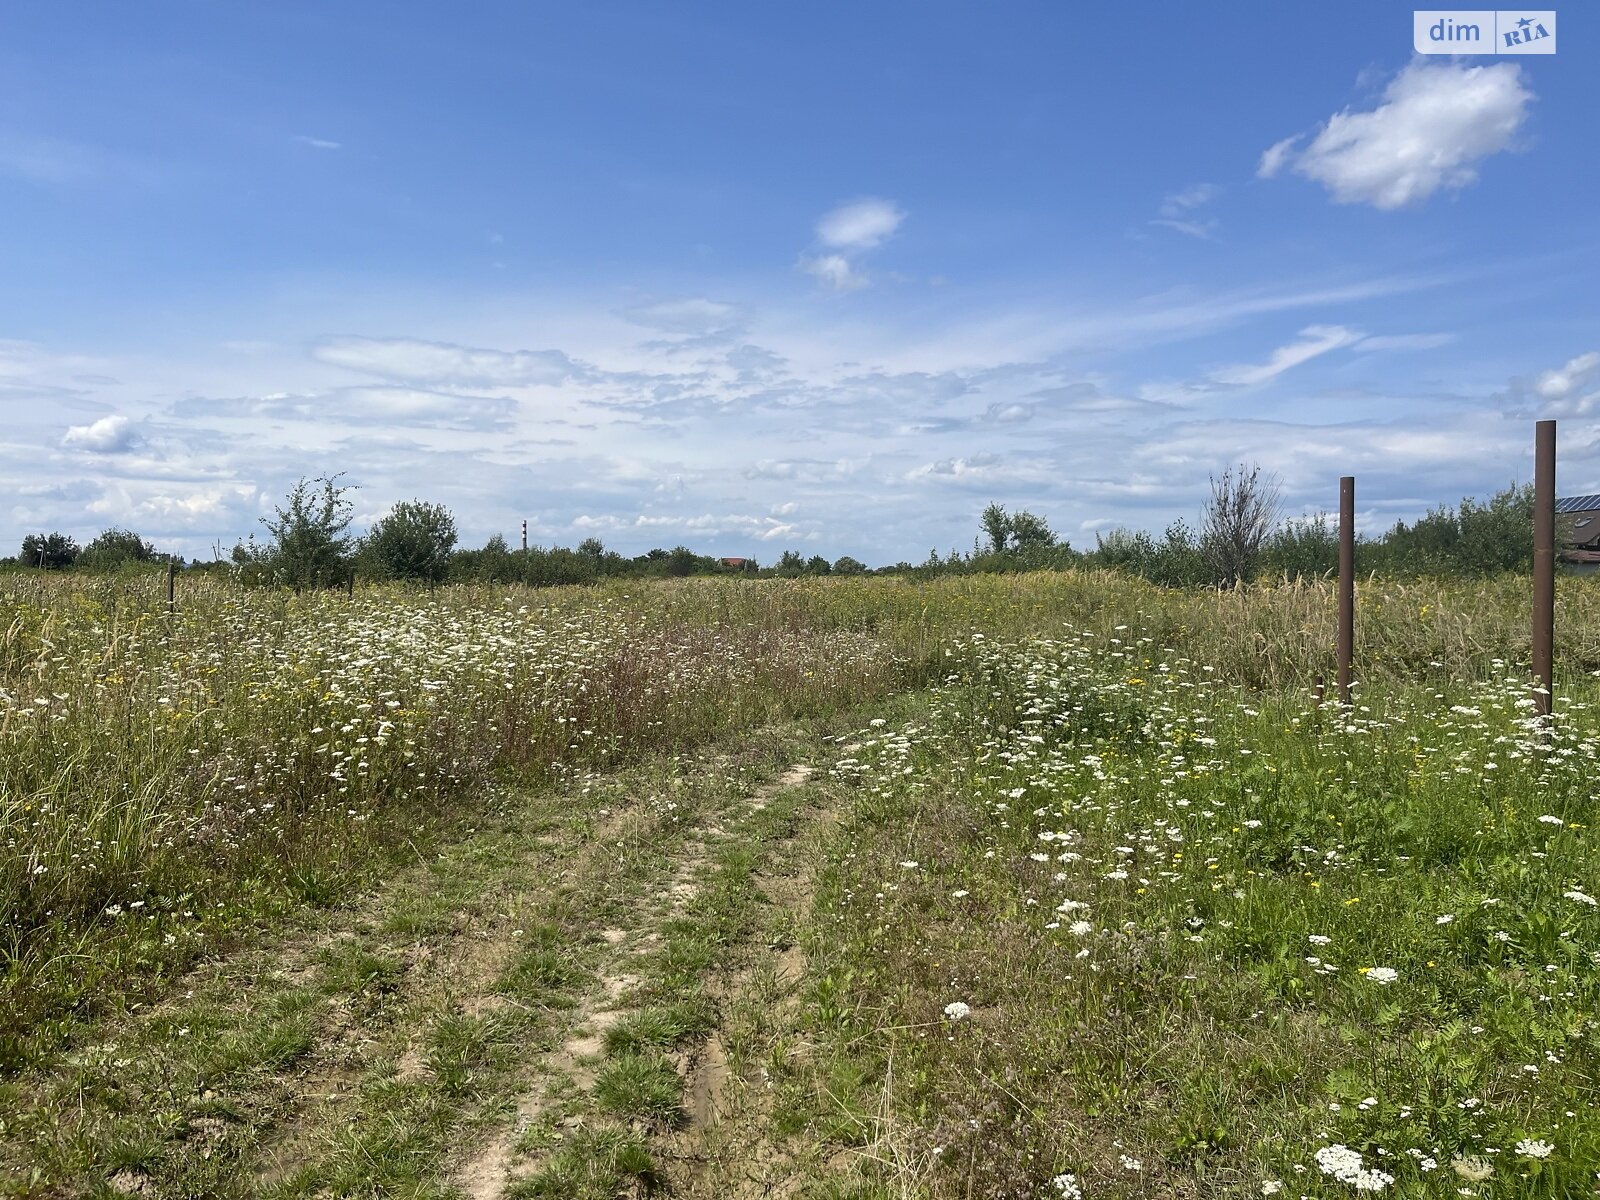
(457, 1033)
(633, 981)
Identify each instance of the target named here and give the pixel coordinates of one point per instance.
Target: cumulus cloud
(196, 508)
(844, 234)
(108, 435)
(1570, 391)
(1436, 122)
(859, 225)
(834, 271)
(1572, 377)
(805, 470)
(412, 360)
(1008, 414)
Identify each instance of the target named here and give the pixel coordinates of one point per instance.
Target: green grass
(663, 1026)
(593, 1165)
(194, 785)
(643, 1087)
(1093, 908)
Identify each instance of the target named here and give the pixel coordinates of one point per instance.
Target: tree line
(1239, 537)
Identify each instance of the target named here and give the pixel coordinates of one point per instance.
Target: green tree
(997, 527)
(413, 540)
(681, 562)
(592, 547)
(52, 551)
(790, 563)
(1303, 548)
(845, 565)
(1029, 532)
(1021, 531)
(310, 547)
(115, 548)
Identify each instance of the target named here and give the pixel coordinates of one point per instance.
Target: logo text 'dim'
(1484, 31)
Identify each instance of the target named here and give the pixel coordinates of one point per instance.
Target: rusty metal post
(350, 584)
(172, 586)
(1544, 564)
(1347, 583)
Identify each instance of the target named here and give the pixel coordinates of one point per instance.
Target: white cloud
(1009, 414)
(1405, 341)
(402, 406)
(1275, 156)
(1189, 198)
(834, 271)
(1178, 211)
(108, 435)
(844, 234)
(195, 508)
(1437, 121)
(411, 360)
(702, 525)
(1562, 382)
(694, 315)
(1314, 340)
(859, 225)
(317, 143)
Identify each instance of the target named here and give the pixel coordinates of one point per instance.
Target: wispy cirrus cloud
(413, 360)
(1180, 211)
(1314, 340)
(690, 315)
(385, 406)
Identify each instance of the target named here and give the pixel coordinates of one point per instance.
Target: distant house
(738, 564)
(1578, 532)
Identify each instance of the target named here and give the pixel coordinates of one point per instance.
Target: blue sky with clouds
(754, 277)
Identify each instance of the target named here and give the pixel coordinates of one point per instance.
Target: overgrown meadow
(1113, 926)
(1112, 908)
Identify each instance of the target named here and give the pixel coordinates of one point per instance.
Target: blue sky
(757, 277)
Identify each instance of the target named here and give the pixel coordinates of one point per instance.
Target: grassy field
(1029, 885)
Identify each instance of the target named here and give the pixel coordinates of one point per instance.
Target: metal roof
(1573, 504)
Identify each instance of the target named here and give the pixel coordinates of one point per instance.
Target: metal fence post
(1347, 583)
(1544, 565)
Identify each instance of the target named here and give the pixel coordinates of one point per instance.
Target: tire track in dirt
(453, 972)
(728, 1149)
(497, 1164)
